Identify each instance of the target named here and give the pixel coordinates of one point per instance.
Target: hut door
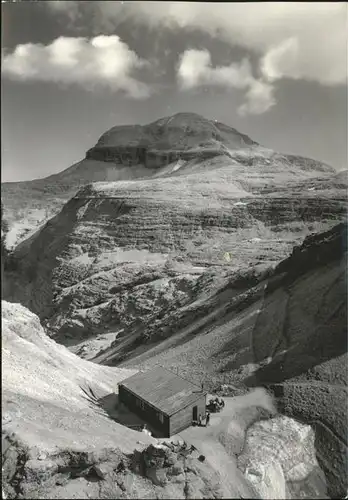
(195, 413)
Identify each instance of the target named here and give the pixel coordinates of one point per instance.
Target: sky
(72, 70)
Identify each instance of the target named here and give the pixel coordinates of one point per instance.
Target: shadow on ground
(110, 406)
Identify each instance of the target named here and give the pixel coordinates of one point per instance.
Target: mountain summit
(167, 139)
(174, 145)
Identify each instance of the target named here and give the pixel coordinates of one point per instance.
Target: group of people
(203, 422)
(217, 404)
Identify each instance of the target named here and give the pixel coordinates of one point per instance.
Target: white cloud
(299, 40)
(281, 60)
(291, 59)
(303, 40)
(259, 99)
(101, 61)
(195, 70)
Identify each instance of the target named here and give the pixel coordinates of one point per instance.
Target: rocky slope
(131, 152)
(56, 444)
(285, 329)
(120, 253)
(123, 152)
(60, 441)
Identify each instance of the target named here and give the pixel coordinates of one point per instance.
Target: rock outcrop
(305, 342)
(279, 459)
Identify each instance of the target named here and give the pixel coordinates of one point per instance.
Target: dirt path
(224, 438)
(234, 483)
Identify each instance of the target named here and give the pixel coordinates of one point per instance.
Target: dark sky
(277, 74)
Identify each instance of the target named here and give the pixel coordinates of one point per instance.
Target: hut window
(142, 405)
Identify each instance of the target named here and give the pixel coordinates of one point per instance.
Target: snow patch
(82, 259)
(81, 211)
(178, 165)
(119, 256)
(26, 227)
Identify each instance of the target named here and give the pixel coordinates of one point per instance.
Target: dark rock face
(302, 330)
(59, 474)
(184, 136)
(107, 474)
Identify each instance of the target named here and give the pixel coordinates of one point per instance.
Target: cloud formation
(293, 39)
(287, 35)
(195, 70)
(100, 61)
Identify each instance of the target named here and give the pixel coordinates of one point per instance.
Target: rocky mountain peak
(168, 139)
(181, 145)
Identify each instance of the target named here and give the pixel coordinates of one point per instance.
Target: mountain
(119, 253)
(143, 148)
(209, 254)
(134, 151)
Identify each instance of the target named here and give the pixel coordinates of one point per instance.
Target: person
(200, 419)
(208, 418)
(146, 431)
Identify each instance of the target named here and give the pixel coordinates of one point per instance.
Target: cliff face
(123, 152)
(302, 333)
(120, 253)
(182, 136)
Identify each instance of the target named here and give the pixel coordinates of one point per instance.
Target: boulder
(39, 470)
(103, 470)
(268, 480)
(176, 469)
(157, 476)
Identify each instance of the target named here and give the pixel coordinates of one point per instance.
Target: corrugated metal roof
(163, 389)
